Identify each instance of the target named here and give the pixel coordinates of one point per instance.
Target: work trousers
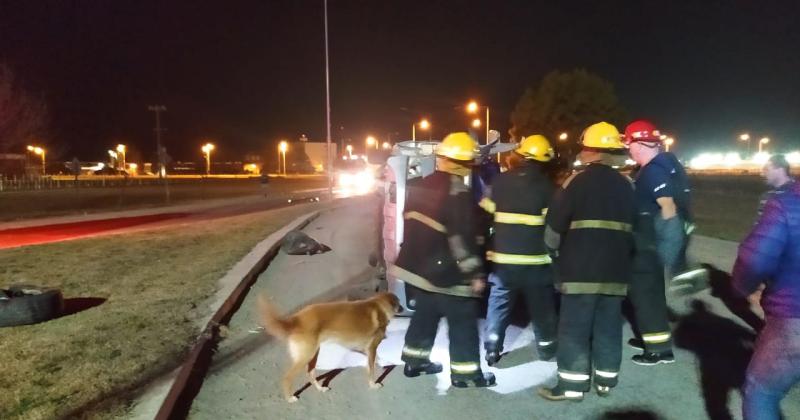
(534, 284)
(462, 321)
(589, 341)
(647, 292)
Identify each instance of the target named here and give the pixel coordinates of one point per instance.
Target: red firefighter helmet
(642, 130)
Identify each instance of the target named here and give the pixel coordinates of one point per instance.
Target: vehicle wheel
(23, 305)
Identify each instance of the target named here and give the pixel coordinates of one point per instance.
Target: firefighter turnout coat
(439, 252)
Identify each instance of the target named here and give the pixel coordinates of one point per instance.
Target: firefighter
(662, 202)
(518, 200)
(588, 234)
(439, 260)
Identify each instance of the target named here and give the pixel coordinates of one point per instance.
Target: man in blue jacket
(770, 258)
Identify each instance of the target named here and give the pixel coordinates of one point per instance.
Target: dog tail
(274, 324)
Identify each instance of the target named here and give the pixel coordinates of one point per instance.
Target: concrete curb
(171, 397)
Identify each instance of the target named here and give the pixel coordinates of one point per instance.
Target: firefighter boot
(481, 380)
(559, 394)
(427, 368)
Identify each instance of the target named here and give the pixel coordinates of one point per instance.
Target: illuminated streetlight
(761, 143)
(372, 142)
(476, 123)
(746, 137)
(473, 107)
(563, 136)
(121, 152)
(669, 141)
(114, 158)
(349, 150)
(207, 148)
(283, 146)
(424, 125)
(36, 150)
(386, 145)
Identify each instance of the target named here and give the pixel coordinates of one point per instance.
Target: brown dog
(359, 325)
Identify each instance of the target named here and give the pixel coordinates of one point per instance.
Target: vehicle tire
(23, 305)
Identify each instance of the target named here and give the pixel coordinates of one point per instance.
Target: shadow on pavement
(720, 283)
(723, 349)
(629, 414)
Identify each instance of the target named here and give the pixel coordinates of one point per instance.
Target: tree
(566, 102)
(23, 117)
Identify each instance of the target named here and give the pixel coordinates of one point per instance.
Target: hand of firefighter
(478, 285)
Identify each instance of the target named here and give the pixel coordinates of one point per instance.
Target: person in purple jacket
(769, 258)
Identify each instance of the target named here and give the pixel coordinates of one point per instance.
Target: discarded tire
(23, 305)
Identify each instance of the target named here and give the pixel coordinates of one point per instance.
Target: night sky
(247, 73)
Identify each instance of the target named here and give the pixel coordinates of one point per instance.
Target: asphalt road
(712, 349)
(54, 230)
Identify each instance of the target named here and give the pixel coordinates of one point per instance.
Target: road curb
(186, 381)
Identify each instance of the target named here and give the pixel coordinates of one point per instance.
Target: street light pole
(158, 109)
(327, 109)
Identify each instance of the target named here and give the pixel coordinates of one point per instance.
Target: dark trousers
(534, 285)
(648, 298)
(462, 321)
(589, 337)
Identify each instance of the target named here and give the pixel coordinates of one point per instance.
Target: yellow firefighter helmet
(536, 147)
(602, 136)
(458, 146)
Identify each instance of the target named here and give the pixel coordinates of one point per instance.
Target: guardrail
(51, 182)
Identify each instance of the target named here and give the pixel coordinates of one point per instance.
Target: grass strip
(155, 283)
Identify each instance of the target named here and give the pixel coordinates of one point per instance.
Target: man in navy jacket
(770, 258)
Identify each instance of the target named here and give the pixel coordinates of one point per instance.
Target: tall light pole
(761, 143)
(207, 148)
(39, 151)
(283, 147)
(423, 125)
(327, 109)
(158, 109)
(121, 152)
(746, 137)
(668, 142)
(473, 107)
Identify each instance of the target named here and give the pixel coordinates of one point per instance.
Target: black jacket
(594, 214)
(439, 249)
(519, 199)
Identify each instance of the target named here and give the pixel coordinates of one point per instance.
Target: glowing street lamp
(472, 107)
(121, 152)
(114, 158)
(349, 151)
(761, 143)
(36, 150)
(372, 142)
(669, 141)
(283, 147)
(386, 145)
(746, 137)
(563, 136)
(423, 125)
(476, 123)
(207, 148)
